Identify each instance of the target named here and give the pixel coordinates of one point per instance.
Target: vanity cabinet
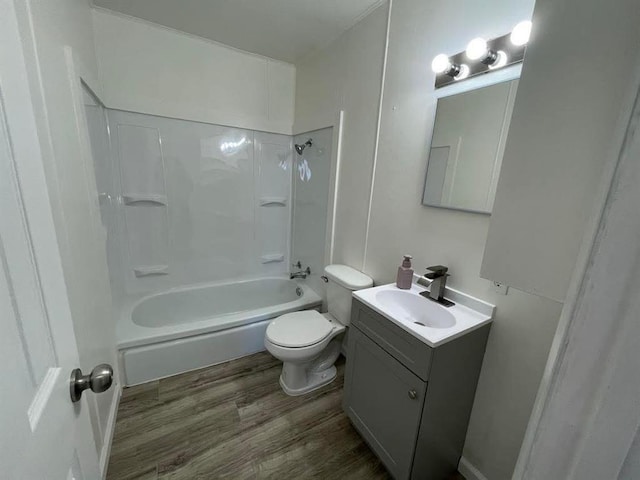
(410, 402)
(388, 404)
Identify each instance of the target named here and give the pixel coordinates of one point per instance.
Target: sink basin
(426, 320)
(415, 308)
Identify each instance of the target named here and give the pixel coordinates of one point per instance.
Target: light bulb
(501, 60)
(463, 73)
(520, 33)
(477, 48)
(440, 63)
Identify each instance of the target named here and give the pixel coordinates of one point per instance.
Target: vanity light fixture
(521, 33)
(464, 72)
(501, 61)
(441, 64)
(482, 56)
(479, 50)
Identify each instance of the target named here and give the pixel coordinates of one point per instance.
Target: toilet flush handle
(324, 279)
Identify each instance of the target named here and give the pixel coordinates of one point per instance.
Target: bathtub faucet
(300, 273)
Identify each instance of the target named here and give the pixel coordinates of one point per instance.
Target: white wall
(560, 137)
(347, 76)
(70, 177)
(148, 68)
(524, 326)
(587, 412)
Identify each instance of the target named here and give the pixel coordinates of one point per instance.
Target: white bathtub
(187, 328)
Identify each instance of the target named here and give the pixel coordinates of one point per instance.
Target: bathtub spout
(300, 274)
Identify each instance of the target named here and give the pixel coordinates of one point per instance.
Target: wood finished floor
(232, 421)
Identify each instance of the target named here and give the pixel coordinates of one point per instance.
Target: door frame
(581, 426)
(79, 76)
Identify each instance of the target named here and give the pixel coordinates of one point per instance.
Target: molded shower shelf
(148, 270)
(272, 258)
(137, 198)
(273, 202)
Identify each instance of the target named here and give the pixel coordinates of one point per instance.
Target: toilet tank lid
(348, 277)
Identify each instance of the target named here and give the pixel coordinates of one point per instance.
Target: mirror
(468, 142)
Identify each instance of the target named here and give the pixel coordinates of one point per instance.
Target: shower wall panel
(311, 173)
(198, 202)
(273, 205)
(144, 198)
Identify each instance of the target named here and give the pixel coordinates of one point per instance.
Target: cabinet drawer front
(405, 348)
(384, 401)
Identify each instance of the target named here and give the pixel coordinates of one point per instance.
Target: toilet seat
(299, 329)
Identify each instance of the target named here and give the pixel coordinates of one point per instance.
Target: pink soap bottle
(405, 274)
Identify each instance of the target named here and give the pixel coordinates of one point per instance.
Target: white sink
(425, 319)
(415, 308)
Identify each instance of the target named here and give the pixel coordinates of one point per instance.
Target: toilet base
(315, 380)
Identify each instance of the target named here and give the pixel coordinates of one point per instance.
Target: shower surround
(193, 207)
(198, 202)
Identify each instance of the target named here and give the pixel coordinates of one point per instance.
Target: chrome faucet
(300, 273)
(438, 276)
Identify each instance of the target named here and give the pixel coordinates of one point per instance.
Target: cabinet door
(384, 401)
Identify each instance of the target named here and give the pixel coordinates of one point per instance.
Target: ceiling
(286, 30)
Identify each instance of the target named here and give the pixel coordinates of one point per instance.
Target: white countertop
(469, 312)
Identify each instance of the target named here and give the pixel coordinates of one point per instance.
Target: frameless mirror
(467, 145)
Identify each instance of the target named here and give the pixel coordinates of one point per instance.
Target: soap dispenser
(405, 274)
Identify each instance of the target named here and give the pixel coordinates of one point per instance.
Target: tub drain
(298, 291)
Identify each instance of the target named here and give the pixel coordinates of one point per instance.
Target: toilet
(309, 342)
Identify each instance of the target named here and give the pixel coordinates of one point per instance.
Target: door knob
(413, 394)
(99, 380)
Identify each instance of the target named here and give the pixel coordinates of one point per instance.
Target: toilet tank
(343, 280)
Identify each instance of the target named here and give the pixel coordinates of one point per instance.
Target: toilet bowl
(308, 342)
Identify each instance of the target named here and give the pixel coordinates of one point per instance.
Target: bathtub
(183, 329)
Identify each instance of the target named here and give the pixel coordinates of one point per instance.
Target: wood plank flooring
(232, 421)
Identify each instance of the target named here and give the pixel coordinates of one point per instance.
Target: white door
(43, 435)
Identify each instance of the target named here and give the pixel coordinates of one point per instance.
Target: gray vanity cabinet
(410, 402)
(388, 403)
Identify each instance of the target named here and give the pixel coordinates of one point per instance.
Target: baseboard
(108, 433)
(469, 471)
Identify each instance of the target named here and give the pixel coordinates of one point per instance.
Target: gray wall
(631, 467)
